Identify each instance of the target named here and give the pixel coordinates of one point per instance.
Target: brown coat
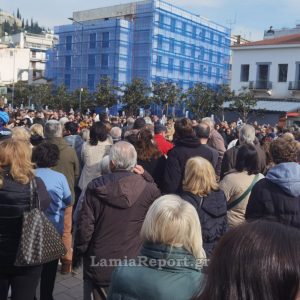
(110, 221)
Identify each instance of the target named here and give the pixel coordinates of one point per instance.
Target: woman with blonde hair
(200, 188)
(171, 258)
(16, 174)
(36, 134)
(21, 134)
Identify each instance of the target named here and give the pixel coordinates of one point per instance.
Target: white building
(14, 65)
(270, 68)
(36, 45)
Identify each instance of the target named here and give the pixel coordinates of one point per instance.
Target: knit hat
(158, 128)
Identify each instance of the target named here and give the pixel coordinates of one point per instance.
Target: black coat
(184, 149)
(212, 212)
(269, 201)
(14, 200)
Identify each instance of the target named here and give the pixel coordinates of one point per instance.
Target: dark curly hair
(145, 147)
(283, 151)
(45, 155)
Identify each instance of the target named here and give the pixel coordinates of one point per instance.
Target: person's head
(53, 129)
(71, 128)
(283, 151)
(122, 156)
(210, 122)
(45, 155)
(98, 133)
(160, 129)
(116, 134)
(202, 131)
(199, 177)
(258, 260)
(144, 145)
(37, 130)
(130, 121)
(174, 222)
(85, 134)
(139, 123)
(247, 159)
(246, 134)
(184, 128)
(15, 157)
(20, 133)
(104, 165)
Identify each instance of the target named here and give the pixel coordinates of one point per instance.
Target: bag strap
(243, 196)
(34, 197)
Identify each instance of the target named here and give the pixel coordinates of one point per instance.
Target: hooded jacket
(277, 197)
(160, 279)
(68, 163)
(185, 148)
(212, 212)
(110, 221)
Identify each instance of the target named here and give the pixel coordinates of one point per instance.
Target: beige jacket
(91, 157)
(234, 184)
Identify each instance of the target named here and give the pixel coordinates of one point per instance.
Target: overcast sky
(246, 17)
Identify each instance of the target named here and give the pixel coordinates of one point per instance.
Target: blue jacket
(157, 278)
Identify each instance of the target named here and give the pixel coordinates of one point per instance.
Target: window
(210, 55)
(203, 34)
(201, 70)
(182, 48)
(220, 41)
(92, 40)
(194, 32)
(209, 71)
(181, 66)
(245, 73)
(68, 62)
(201, 55)
(105, 39)
(67, 80)
(158, 62)
(159, 41)
(68, 42)
(193, 51)
(171, 64)
(161, 19)
(192, 68)
(219, 58)
(211, 37)
(172, 45)
(104, 61)
(91, 81)
(91, 60)
(282, 72)
(183, 27)
(173, 24)
(218, 73)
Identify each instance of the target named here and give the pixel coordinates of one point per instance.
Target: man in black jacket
(187, 145)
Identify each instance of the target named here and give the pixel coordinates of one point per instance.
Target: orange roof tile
(282, 40)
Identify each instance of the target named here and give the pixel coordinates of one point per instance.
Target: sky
(249, 18)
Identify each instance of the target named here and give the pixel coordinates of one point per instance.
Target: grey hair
(116, 133)
(104, 165)
(53, 129)
(209, 121)
(123, 156)
(247, 134)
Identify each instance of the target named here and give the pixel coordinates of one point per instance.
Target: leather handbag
(40, 242)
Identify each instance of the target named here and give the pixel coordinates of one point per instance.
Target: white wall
(12, 62)
(267, 54)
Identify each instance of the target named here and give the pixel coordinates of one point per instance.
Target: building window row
(91, 61)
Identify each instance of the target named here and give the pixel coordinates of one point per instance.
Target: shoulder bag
(40, 242)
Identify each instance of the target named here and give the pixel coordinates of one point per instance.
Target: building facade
(36, 45)
(151, 40)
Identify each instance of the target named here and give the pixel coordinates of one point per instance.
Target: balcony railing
(260, 85)
(294, 85)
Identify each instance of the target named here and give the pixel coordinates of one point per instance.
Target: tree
(136, 95)
(21, 93)
(41, 94)
(165, 94)
(86, 99)
(61, 98)
(202, 100)
(106, 94)
(244, 103)
(223, 94)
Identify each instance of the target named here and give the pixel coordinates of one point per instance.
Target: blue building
(151, 39)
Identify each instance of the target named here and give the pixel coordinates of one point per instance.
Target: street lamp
(13, 46)
(81, 59)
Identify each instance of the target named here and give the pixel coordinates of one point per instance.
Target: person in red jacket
(159, 136)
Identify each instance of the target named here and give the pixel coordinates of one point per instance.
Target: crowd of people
(153, 208)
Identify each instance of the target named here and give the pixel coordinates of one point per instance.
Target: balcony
(294, 85)
(260, 85)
